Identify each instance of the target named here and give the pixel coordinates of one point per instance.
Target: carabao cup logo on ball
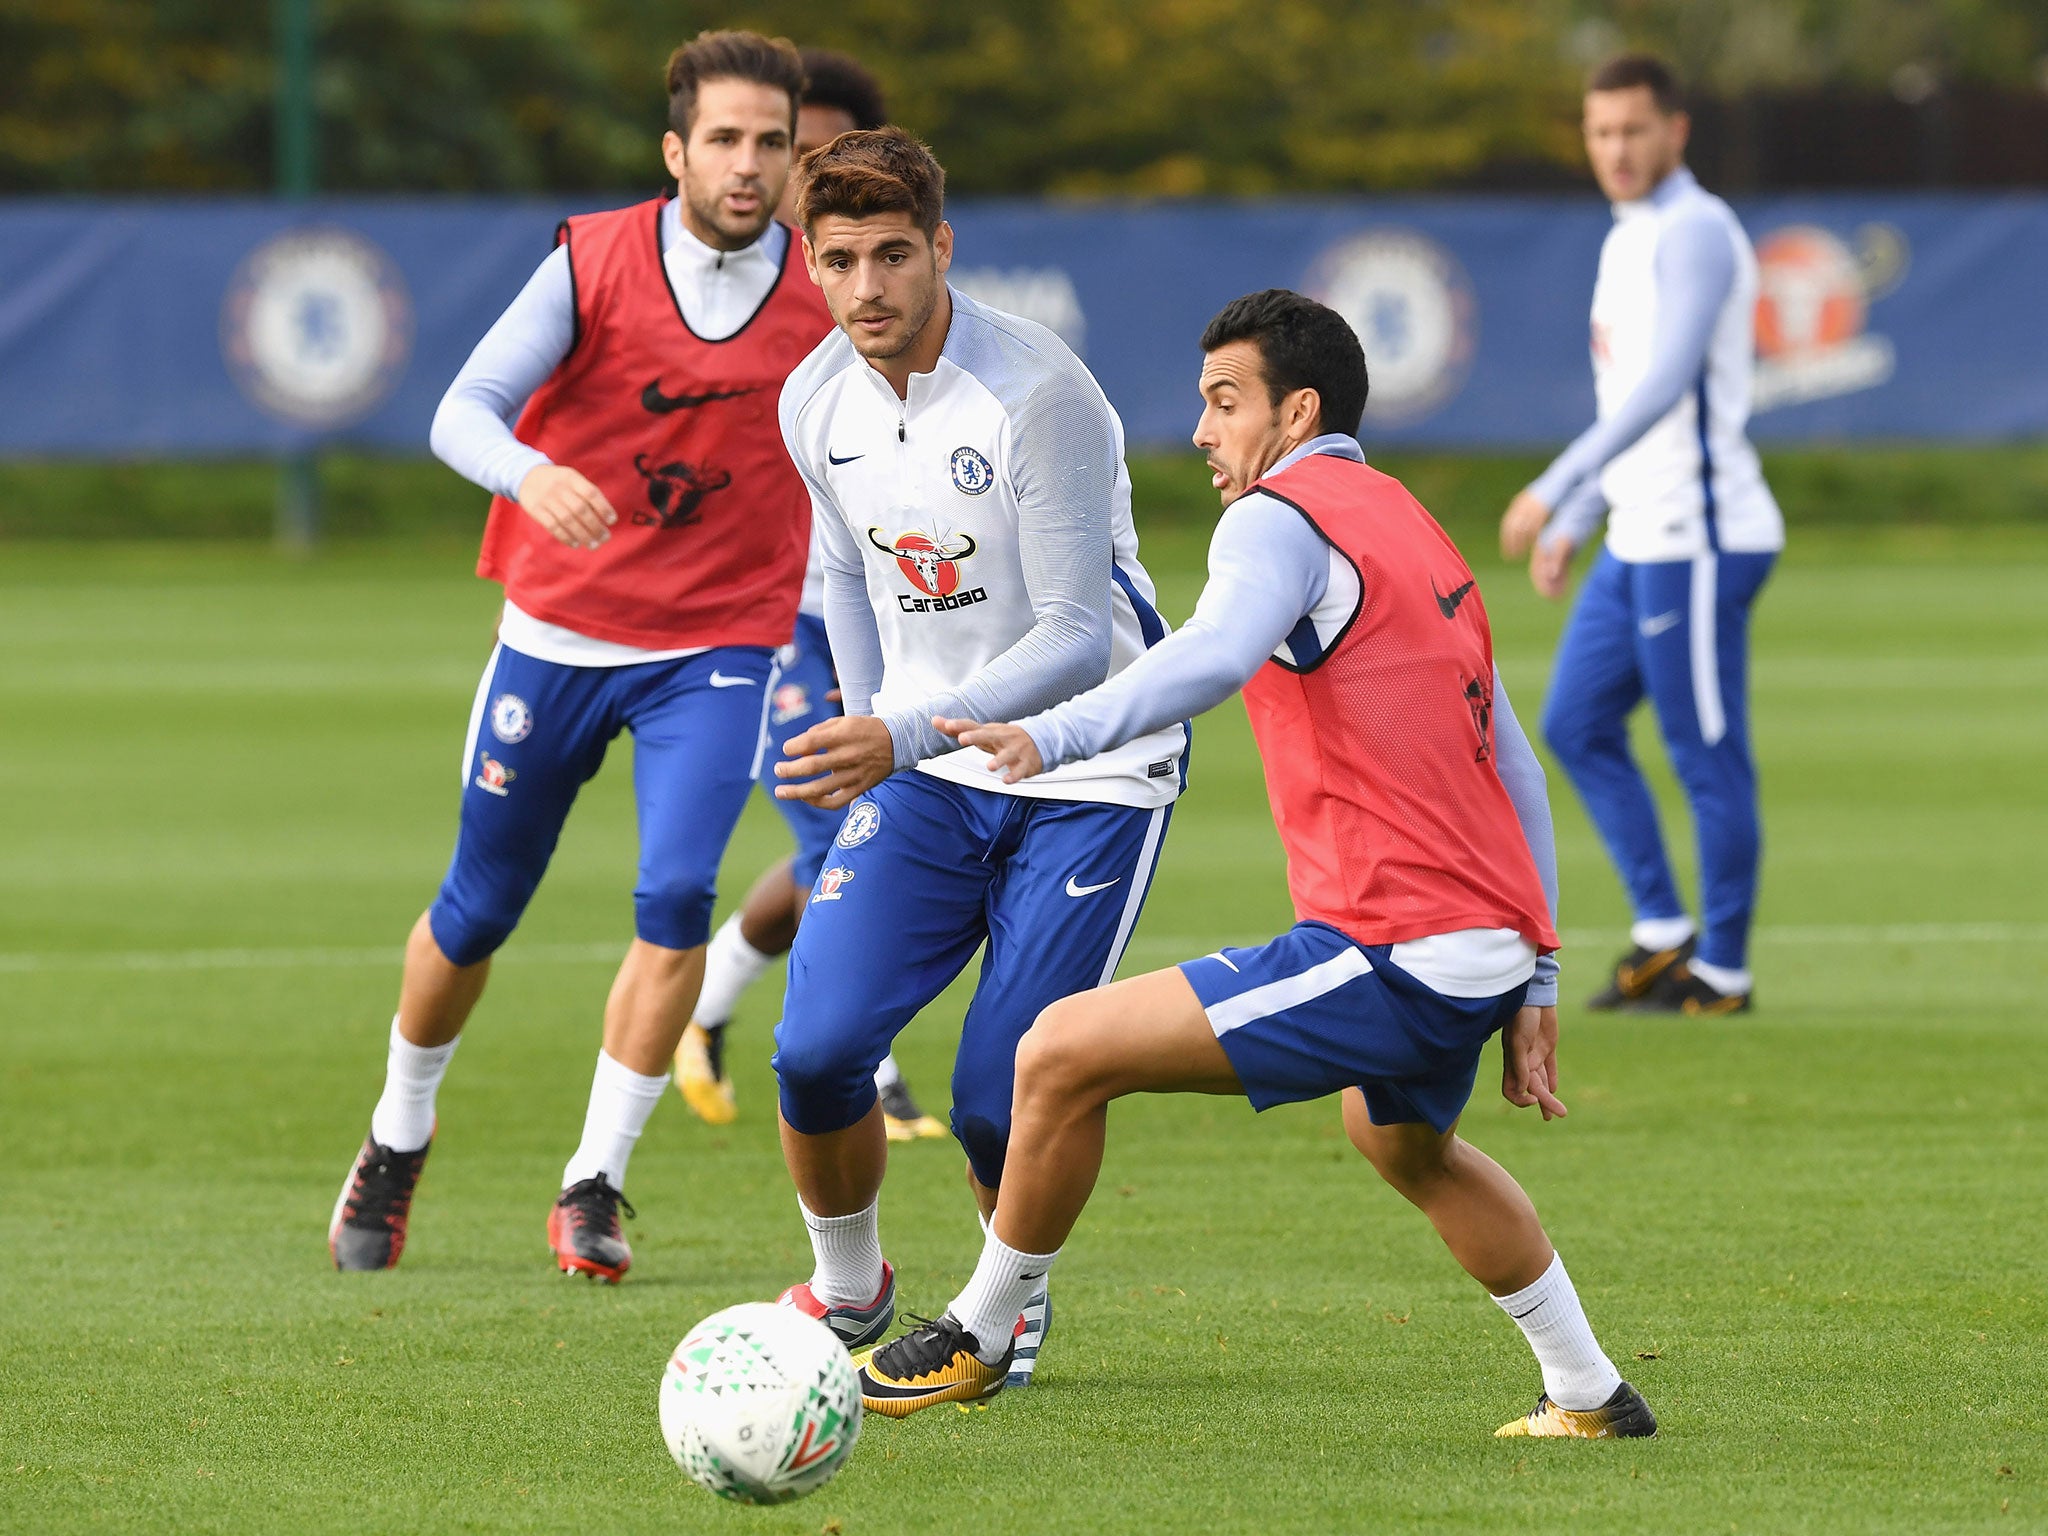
(317, 327)
(1412, 307)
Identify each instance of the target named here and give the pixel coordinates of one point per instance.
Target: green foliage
(1149, 97)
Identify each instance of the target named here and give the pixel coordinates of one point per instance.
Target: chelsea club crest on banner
(972, 474)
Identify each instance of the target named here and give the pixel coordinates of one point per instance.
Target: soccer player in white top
(1692, 534)
(973, 513)
(840, 95)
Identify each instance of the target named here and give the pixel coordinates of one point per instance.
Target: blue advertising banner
(208, 328)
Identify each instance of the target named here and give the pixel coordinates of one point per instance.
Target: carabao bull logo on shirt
(789, 701)
(492, 775)
(1813, 298)
(675, 491)
(830, 881)
(931, 563)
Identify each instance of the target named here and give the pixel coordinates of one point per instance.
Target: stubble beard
(879, 349)
(707, 212)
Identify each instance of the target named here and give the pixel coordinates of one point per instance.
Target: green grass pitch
(1813, 1236)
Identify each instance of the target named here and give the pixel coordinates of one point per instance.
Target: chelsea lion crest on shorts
(511, 720)
(972, 473)
(862, 822)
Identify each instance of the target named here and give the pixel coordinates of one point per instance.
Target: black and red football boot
(368, 1227)
(583, 1229)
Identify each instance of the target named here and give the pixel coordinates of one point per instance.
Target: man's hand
(1550, 567)
(1528, 1068)
(567, 505)
(1524, 519)
(1011, 751)
(851, 754)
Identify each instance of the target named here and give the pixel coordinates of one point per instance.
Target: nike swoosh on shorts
(720, 680)
(1655, 625)
(1088, 890)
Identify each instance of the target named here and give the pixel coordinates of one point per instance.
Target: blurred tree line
(1148, 97)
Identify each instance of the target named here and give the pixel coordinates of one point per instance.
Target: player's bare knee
(1055, 1059)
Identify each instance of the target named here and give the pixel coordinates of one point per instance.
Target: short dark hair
(771, 61)
(870, 171)
(841, 81)
(1626, 71)
(1302, 345)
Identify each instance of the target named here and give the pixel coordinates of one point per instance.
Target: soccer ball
(759, 1404)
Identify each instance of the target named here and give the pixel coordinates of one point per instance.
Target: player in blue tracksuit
(1692, 534)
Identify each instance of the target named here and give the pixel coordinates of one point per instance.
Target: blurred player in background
(839, 96)
(973, 509)
(1419, 857)
(651, 535)
(1692, 534)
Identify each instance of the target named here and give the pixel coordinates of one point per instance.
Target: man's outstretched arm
(1267, 568)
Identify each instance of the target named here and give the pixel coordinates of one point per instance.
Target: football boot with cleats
(1624, 1416)
(938, 1363)
(1635, 974)
(583, 1229)
(367, 1230)
(700, 1074)
(1678, 990)
(856, 1326)
(1033, 1324)
(902, 1120)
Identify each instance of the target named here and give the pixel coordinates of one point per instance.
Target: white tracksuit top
(933, 602)
(1691, 482)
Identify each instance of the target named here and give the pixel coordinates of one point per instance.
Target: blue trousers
(1678, 632)
(536, 736)
(924, 872)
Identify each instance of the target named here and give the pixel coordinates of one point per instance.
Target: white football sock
(888, 1074)
(731, 965)
(1661, 932)
(1576, 1373)
(1724, 981)
(620, 1102)
(1002, 1282)
(848, 1250)
(404, 1117)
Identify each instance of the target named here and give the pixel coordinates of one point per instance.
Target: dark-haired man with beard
(840, 96)
(1418, 855)
(650, 534)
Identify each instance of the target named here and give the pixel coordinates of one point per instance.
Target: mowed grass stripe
(608, 952)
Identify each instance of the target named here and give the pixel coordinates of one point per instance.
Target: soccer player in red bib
(1418, 840)
(650, 534)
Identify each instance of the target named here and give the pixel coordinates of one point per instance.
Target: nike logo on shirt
(720, 680)
(1655, 625)
(652, 399)
(1448, 605)
(1088, 890)
(833, 458)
